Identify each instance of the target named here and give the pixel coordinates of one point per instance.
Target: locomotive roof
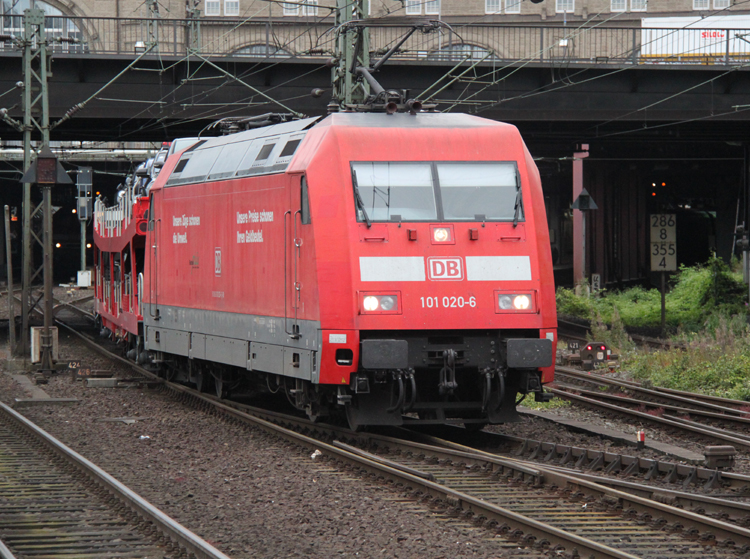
(271, 149)
(404, 120)
(273, 130)
(365, 120)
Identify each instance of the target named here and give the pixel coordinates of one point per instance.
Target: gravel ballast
(241, 489)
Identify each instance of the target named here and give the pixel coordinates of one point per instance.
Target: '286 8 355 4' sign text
(663, 246)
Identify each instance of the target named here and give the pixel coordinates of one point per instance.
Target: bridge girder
(162, 99)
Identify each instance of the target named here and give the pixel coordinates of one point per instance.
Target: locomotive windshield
(442, 191)
(392, 189)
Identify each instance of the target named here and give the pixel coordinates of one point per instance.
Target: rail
(192, 543)
(488, 44)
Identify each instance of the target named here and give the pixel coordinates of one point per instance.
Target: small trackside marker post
(640, 438)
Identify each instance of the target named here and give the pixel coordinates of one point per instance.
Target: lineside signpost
(663, 253)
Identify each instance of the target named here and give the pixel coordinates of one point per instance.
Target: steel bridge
(192, 71)
(663, 111)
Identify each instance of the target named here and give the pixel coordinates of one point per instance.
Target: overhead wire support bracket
(354, 86)
(10, 120)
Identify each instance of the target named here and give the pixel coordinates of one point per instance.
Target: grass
(706, 311)
(716, 362)
(555, 403)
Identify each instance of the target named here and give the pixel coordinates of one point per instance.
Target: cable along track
(56, 504)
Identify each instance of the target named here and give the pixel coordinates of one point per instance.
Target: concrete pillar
(579, 238)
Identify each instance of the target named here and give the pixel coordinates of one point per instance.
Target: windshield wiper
(358, 199)
(519, 203)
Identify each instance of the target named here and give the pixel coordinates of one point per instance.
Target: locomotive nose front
(450, 303)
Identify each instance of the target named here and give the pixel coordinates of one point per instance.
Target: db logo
(445, 268)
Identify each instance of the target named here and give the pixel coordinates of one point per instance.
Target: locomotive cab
(453, 309)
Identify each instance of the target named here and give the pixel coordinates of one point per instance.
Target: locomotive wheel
(221, 388)
(203, 382)
(351, 418)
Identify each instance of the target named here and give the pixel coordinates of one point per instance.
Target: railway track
(716, 493)
(723, 405)
(56, 504)
(528, 503)
(576, 331)
(699, 418)
(735, 511)
(663, 473)
(632, 525)
(697, 402)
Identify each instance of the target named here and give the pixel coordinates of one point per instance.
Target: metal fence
(484, 43)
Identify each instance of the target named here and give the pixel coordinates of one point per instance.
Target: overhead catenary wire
(529, 59)
(249, 72)
(78, 106)
(186, 58)
(668, 124)
(184, 103)
(548, 90)
(228, 75)
(534, 56)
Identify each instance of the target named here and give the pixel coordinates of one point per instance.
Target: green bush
(699, 296)
(706, 366)
(568, 303)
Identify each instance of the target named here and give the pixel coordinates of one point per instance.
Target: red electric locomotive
(394, 267)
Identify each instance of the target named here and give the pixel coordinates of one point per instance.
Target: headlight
(387, 303)
(514, 302)
(441, 235)
(380, 303)
(371, 303)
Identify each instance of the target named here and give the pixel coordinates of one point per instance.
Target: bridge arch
(60, 21)
(261, 50)
(461, 51)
